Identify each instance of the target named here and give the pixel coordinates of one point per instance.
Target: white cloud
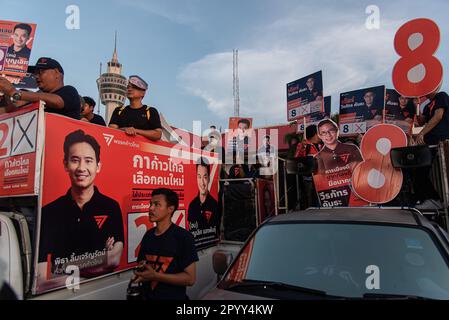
(178, 12)
(350, 56)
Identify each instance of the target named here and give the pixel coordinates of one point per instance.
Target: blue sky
(184, 48)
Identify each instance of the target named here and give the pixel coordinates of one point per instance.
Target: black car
(347, 253)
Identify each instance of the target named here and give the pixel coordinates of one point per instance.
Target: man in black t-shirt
(83, 228)
(58, 98)
(435, 118)
(167, 253)
(204, 216)
(137, 118)
(87, 112)
(312, 93)
(369, 111)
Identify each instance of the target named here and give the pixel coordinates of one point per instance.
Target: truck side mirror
(221, 260)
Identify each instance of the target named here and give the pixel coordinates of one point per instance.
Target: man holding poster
(336, 162)
(83, 228)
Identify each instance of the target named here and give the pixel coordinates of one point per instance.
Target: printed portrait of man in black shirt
(203, 214)
(20, 36)
(83, 228)
(370, 111)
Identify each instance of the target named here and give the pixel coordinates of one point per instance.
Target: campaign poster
(239, 267)
(361, 109)
(239, 137)
(97, 184)
(315, 118)
(305, 96)
(204, 216)
(399, 110)
(336, 162)
(20, 148)
(16, 42)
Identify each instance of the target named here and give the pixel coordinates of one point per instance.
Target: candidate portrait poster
(239, 136)
(16, 42)
(315, 118)
(399, 110)
(103, 235)
(305, 96)
(361, 109)
(336, 162)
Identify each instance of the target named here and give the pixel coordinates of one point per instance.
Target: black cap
(45, 63)
(89, 101)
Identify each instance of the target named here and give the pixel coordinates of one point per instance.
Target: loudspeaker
(411, 157)
(239, 218)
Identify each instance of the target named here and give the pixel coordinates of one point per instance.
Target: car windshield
(345, 260)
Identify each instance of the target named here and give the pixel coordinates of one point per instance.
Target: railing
(439, 176)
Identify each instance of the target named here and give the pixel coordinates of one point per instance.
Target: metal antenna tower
(236, 89)
(99, 95)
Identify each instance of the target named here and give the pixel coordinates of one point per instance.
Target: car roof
(355, 214)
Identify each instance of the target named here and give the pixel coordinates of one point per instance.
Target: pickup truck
(16, 256)
(32, 175)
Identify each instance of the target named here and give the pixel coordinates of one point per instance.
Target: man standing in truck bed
(137, 118)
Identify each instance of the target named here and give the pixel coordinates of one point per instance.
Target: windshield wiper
(393, 296)
(275, 285)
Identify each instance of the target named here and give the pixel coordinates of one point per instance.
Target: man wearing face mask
(59, 98)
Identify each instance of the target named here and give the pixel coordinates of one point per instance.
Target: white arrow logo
(108, 138)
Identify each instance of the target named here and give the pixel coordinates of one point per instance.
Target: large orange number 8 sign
(418, 72)
(375, 180)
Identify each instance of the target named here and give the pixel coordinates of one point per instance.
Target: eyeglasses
(328, 133)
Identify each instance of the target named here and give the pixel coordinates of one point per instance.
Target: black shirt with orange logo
(344, 154)
(170, 253)
(202, 217)
(68, 232)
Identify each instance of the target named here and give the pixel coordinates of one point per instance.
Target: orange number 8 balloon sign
(418, 72)
(375, 180)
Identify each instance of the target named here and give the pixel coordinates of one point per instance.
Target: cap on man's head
(138, 82)
(45, 63)
(89, 101)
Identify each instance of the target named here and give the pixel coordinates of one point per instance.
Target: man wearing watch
(59, 98)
